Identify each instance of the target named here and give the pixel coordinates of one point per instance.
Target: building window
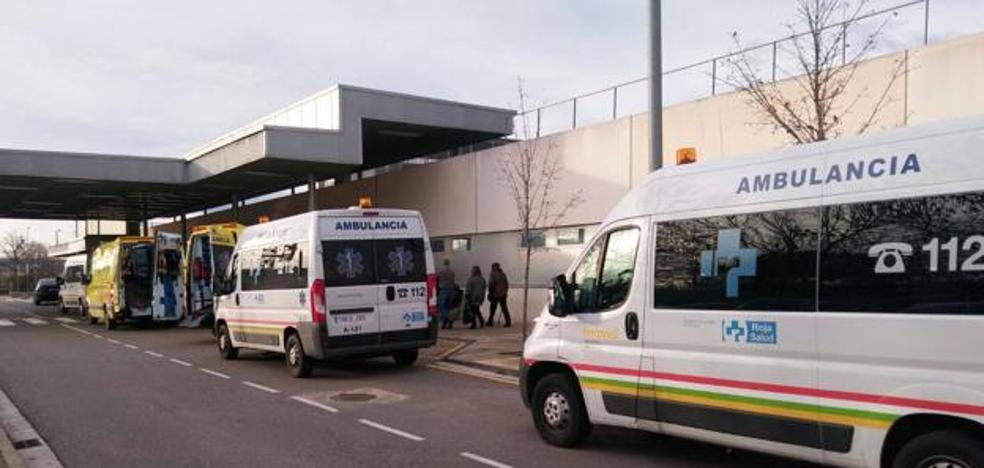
(573, 236)
(534, 239)
(460, 244)
(437, 245)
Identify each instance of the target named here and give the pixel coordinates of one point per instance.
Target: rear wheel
(406, 357)
(941, 449)
(298, 363)
(226, 349)
(92, 320)
(558, 411)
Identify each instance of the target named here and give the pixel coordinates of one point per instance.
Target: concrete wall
(464, 195)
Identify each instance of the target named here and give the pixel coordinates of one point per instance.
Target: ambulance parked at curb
(72, 292)
(822, 302)
(331, 283)
(207, 258)
(136, 279)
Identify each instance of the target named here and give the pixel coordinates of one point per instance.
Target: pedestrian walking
(498, 295)
(446, 288)
(475, 296)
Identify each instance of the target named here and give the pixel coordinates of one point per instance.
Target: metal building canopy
(326, 135)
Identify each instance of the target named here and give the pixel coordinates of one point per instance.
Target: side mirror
(60, 281)
(561, 297)
(86, 279)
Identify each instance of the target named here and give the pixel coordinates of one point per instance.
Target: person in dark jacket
(446, 288)
(475, 296)
(498, 294)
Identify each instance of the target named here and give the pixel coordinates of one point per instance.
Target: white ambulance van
(331, 283)
(72, 292)
(823, 302)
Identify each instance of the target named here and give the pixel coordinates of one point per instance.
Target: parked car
(46, 290)
(72, 292)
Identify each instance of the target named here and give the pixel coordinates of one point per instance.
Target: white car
(72, 292)
(331, 283)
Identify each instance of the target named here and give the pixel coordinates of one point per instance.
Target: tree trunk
(526, 286)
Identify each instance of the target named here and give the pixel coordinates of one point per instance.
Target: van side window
(617, 268)
(604, 277)
(276, 267)
(348, 262)
(758, 261)
(912, 256)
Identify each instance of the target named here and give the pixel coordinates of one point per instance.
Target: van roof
(897, 163)
(297, 227)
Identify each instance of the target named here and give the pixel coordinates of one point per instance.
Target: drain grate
(27, 443)
(353, 397)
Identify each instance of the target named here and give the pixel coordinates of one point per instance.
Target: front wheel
(406, 357)
(951, 449)
(558, 411)
(226, 349)
(62, 308)
(298, 363)
(108, 320)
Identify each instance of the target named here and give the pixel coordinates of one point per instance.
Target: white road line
(180, 362)
(129, 346)
(35, 321)
(6, 323)
(153, 353)
(77, 329)
(260, 387)
(112, 341)
(484, 461)
(396, 432)
(314, 404)
(65, 320)
(212, 372)
(96, 335)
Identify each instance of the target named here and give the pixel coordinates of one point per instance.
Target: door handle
(237, 299)
(632, 326)
(390, 293)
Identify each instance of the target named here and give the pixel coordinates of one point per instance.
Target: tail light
(432, 295)
(319, 305)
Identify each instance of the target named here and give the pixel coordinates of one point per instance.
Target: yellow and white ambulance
(330, 283)
(823, 302)
(136, 279)
(206, 258)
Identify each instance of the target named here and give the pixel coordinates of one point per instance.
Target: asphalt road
(162, 397)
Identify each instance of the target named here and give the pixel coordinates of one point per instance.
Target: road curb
(27, 449)
(448, 356)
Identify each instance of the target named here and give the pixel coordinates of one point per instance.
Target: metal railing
(537, 117)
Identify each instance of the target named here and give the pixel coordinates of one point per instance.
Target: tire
(941, 448)
(224, 341)
(297, 362)
(406, 357)
(37, 302)
(92, 320)
(62, 308)
(558, 411)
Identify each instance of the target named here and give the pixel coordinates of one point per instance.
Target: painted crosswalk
(33, 321)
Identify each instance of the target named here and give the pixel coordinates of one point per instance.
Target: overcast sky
(159, 78)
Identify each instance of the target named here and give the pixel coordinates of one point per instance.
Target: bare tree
(530, 172)
(14, 246)
(811, 105)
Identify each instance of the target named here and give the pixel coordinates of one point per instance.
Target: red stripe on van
(792, 390)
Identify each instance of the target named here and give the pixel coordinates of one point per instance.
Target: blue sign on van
(751, 332)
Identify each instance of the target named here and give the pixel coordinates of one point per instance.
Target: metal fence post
(714, 69)
(574, 120)
(775, 47)
(844, 45)
(926, 24)
(538, 123)
(615, 103)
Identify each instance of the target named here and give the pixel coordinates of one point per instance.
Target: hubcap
(293, 356)
(556, 410)
(222, 340)
(943, 461)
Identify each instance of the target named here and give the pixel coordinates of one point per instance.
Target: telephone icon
(889, 256)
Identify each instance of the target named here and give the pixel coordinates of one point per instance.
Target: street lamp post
(655, 87)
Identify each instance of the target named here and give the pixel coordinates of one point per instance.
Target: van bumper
(524, 373)
(319, 345)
